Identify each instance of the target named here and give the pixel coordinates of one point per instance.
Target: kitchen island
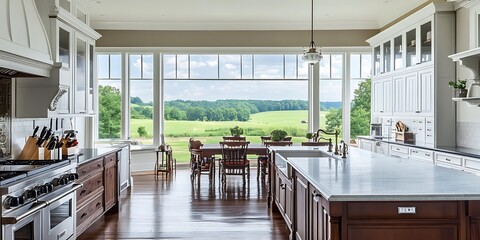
(372, 196)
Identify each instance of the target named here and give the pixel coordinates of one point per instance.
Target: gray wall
(326, 38)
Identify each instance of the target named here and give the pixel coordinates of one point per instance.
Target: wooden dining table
(216, 149)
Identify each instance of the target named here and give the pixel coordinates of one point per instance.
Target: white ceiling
(246, 14)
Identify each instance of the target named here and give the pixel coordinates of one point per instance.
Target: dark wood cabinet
(284, 197)
(100, 189)
(301, 208)
(110, 176)
(316, 214)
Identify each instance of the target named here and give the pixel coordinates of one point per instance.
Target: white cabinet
(471, 165)
(421, 154)
(448, 160)
(382, 96)
(70, 89)
(413, 53)
(368, 145)
(398, 151)
(382, 147)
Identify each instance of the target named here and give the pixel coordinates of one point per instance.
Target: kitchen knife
(35, 131)
(41, 137)
(56, 124)
(47, 136)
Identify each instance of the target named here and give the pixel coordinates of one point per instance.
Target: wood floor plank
(171, 208)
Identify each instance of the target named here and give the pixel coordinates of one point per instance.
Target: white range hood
(24, 45)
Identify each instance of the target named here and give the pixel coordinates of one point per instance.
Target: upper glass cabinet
(397, 53)
(411, 47)
(387, 55)
(376, 60)
(426, 42)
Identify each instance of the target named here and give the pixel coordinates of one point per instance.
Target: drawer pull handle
(84, 171)
(406, 210)
(98, 204)
(83, 191)
(98, 182)
(83, 215)
(448, 159)
(98, 165)
(282, 186)
(426, 154)
(414, 151)
(317, 197)
(398, 149)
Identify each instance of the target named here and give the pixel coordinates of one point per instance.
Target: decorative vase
(461, 93)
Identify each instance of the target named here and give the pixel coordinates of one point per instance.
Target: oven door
(59, 217)
(24, 223)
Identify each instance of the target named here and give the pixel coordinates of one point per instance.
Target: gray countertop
(368, 176)
(469, 152)
(87, 154)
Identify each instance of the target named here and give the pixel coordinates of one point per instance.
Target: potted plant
(278, 135)
(460, 87)
(236, 131)
(309, 136)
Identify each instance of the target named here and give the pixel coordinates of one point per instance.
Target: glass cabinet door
(64, 46)
(397, 53)
(376, 60)
(80, 76)
(411, 43)
(387, 54)
(90, 80)
(426, 42)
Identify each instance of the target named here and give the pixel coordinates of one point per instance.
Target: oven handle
(36, 207)
(73, 189)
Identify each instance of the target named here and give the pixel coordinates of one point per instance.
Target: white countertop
(368, 176)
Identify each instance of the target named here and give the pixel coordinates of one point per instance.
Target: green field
(177, 133)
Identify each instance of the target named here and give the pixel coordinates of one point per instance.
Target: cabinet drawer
(91, 210)
(403, 210)
(398, 149)
(93, 184)
(421, 154)
(89, 168)
(449, 159)
(472, 164)
(111, 158)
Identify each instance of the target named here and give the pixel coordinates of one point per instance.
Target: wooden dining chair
(200, 164)
(314, 143)
(234, 160)
(263, 161)
(234, 138)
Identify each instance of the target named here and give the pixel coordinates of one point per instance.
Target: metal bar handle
(73, 189)
(36, 208)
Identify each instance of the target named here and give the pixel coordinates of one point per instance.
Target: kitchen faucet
(343, 149)
(317, 137)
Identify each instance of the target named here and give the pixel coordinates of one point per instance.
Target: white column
(125, 98)
(346, 98)
(313, 98)
(157, 98)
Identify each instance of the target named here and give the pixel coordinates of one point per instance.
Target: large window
(109, 98)
(141, 98)
(206, 95)
(335, 100)
(180, 95)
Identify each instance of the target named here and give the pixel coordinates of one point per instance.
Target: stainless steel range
(38, 199)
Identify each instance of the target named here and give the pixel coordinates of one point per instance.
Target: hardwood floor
(171, 208)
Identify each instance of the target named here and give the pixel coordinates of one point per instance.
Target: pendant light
(312, 56)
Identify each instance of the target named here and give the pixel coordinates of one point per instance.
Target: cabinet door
(110, 185)
(80, 81)
(316, 215)
(398, 95)
(367, 145)
(301, 208)
(387, 96)
(411, 93)
(376, 60)
(426, 92)
(387, 56)
(377, 97)
(90, 81)
(288, 202)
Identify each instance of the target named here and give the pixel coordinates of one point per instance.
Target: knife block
(30, 150)
(404, 137)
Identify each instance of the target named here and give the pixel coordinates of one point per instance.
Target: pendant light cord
(312, 25)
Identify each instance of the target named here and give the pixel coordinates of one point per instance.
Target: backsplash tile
(468, 134)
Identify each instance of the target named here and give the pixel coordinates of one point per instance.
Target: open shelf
(474, 101)
(469, 59)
